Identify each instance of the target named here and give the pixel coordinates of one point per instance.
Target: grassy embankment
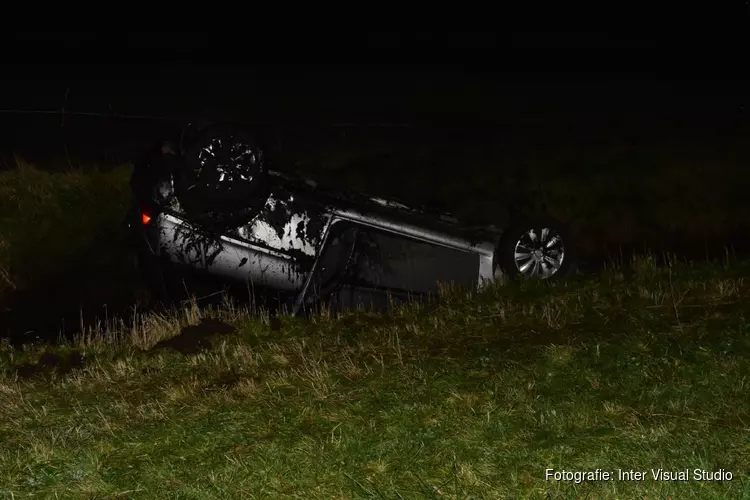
(614, 196)
(62, 234)
(466, 397)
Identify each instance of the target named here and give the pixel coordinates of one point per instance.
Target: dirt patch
(229, 379)
(274, 323)
(52, 362)
(195, 338)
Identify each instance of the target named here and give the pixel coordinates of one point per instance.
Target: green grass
(470, 396)
(52, 224)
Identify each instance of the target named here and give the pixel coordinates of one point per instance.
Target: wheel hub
(539, 252)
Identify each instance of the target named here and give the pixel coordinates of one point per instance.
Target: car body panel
(283, 245)
(270, 256)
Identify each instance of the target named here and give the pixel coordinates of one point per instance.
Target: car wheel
(224, 179)
(535, 248)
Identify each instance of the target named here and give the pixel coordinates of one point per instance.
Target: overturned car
(212, 205)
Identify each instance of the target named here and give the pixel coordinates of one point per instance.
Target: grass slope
(55, 223)
(63, 242)
(470, 396)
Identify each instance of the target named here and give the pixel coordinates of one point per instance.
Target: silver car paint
(260, 254)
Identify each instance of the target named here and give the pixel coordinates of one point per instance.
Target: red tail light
(145, 218)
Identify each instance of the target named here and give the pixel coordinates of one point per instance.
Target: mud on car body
(212, 204)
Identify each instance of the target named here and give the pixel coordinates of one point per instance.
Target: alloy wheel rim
(539, 252)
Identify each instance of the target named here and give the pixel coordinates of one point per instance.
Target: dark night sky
(376, 70)
(684, 74)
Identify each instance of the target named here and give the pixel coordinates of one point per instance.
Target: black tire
(518, 237)
(223, 182)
